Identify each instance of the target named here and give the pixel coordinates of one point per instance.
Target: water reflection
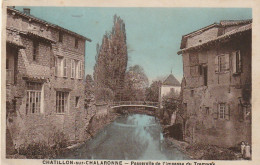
(137, 137)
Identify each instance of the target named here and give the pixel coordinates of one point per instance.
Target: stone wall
(202, 101)
(27, 128)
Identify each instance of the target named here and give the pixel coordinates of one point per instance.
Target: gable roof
(36, 19)
(221, 38)
(171, 80)
(222, 23)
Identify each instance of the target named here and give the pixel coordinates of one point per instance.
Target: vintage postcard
(152, 83)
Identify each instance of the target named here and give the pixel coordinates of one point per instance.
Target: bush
(41, 150)
(104, 95)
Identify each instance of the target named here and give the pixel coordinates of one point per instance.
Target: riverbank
(43, 150)
(98, 123)
(173, 137)
(204, 152)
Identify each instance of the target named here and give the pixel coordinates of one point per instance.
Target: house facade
(217, 83)
(170, 84)
(44, 80)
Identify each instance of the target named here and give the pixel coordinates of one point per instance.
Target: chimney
(26, 11)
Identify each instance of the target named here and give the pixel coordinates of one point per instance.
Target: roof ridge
(46, 22)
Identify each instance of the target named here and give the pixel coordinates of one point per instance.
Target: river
(134, 137)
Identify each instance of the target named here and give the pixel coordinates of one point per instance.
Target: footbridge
(146, 104)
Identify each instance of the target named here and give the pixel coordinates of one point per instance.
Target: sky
(153, 34)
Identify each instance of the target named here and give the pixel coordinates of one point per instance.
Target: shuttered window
(33, 102)
(61, 67)
(80, 70)
(72, 68)
(61, 102)
(222, 63)
(65, 68)
(221, 111)
(236, 62)
(56, 66)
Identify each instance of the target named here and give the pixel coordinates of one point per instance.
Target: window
(72, 68)
(61, 67)
(79, 69)
(206, 110)
(191, 93)
(244, 112)
(236, 62)
(33, 103)
(222, 111)
(76, 43)
(56, 65)
(222, 63)
(65, 68)
(205, 75)
(35, 49)
(194, 70)
(77, 101)
(194, 59)
(61, 102)
(200, 70)
(60, 36)
(172, 90)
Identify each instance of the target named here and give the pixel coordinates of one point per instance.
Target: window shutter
(239, 62)
(64, 67)
(82, 70)
(234, 59)
(227, 62)
(200, 69)
(241, 112)
(72, 68)
(216, 64)
(216, 109)
(227, 112)
(56, 65)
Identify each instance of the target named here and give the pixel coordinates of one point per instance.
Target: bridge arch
(145, 104)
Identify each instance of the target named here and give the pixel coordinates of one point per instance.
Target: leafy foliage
(136, 82)
(89, 90)
(152, 92)
(104, 95)
(111, 59)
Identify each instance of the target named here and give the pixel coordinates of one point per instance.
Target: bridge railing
(148, 103)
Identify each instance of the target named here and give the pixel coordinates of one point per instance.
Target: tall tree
(111, 59)
(89, 90)
(136, 82)
(152, 92)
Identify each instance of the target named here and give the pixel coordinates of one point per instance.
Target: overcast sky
(153, 34)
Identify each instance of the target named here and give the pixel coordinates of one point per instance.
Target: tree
(170, 104)
(89, 90)
(152, 92)
(182, 109)
(111, 59)
(136, 82)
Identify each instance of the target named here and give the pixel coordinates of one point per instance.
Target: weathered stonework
(25, 128)
(203, 93)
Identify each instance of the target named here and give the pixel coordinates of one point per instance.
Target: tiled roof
(234, 22)
(223, 23)
(171, 80)
(48, 23)
(219, 38)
